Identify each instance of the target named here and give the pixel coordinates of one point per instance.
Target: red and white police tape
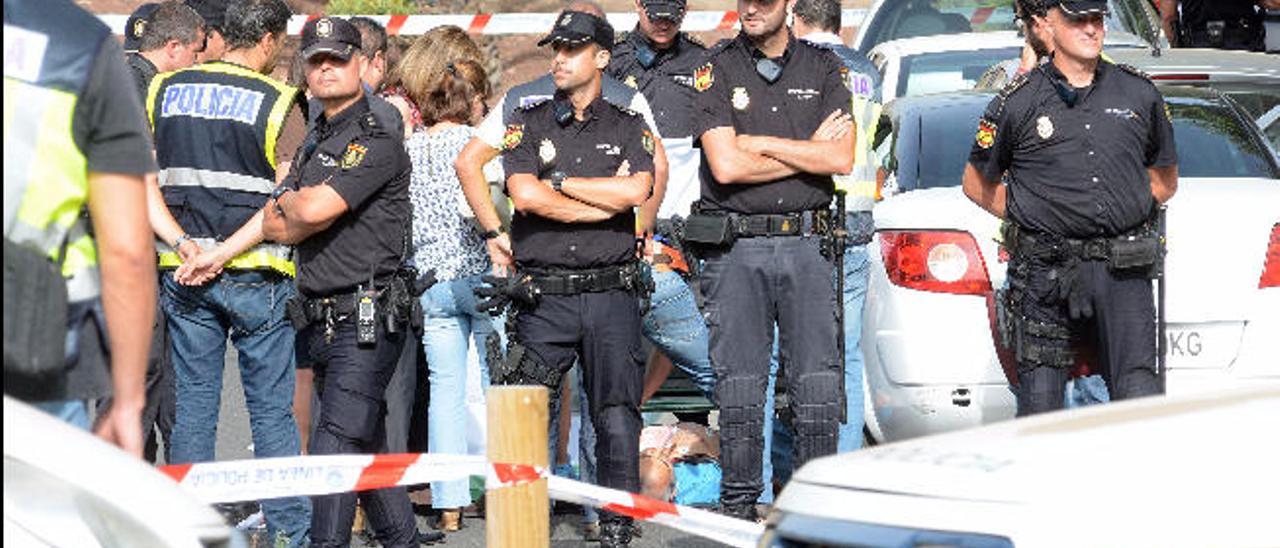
(515, 23)
(232, 481)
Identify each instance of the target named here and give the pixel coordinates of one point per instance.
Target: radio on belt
(366, 313)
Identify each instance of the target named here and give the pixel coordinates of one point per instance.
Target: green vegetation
(373, 7)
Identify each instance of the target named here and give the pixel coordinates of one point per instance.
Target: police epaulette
(370, 122)
(535, 103)
(691, 39)
(1013, 85)
(1133, 70)
(720, 46)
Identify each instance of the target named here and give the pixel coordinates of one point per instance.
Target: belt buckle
(1096, 249)
(785, 226)
(573, 283)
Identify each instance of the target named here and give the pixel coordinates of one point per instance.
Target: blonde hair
(423, 67)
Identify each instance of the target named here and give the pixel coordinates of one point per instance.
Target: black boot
(745, 512)
(615, 533)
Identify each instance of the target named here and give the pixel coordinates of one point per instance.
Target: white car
(889, 20)
(934, 64)
(65, 487)
(1186, 471)
(932, 362)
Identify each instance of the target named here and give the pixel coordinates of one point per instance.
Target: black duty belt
(573, 282)
(783, 224)
(1094, 249)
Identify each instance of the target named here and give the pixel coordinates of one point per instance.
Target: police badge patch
(986, 134)
(547, 151)
(511, 139)
(1044, 127)
(631, 82)
(740, 99)
(324, 28)
(353, 156)
(139, 27)
(702, 78)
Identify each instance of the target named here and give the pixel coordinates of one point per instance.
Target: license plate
(1205, 345)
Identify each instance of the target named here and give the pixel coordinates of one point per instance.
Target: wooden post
(518, 516)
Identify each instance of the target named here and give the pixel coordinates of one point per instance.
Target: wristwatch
(279, 191)
(491, 234)
(557, 181)
(181, 240)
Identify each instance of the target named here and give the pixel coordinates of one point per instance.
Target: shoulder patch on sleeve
(986, 133)
(646, 140)
(703, 78)
(353, 156)
(512, 136)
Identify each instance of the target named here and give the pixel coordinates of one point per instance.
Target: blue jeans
(248, 306)
(452, 325)
(1084, 391)
(675, 325)
(73, 412)
(777, 439)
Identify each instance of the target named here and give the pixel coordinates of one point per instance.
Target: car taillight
(1180, 77)
(934, 260)
(1271, 266)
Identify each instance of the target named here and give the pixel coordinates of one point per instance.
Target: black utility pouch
(296, 309)
(1132, 252)
(35, 313)
(706, 229)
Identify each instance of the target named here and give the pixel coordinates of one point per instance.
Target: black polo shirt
(731, 94)
(593, 147)
(1076, 171)
(366, 164)
(667, 82)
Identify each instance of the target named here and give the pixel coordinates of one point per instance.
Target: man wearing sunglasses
(1087, 150)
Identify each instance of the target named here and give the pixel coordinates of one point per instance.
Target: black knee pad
(741, 406)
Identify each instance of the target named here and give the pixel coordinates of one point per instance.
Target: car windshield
(909, 18)
(948, 71)
(1212, 142)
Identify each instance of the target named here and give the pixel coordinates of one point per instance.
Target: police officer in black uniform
(771, 119)
(1222, 24)
(345, 205)
(1087, 151)
(576, 168)
(658, 59)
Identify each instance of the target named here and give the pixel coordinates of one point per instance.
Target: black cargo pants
(604, 330)
(750, 287)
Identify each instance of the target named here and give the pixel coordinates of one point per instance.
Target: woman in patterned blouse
(447, 240)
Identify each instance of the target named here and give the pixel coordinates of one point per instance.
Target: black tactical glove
(498, 292)
(1072, 288)
(424, 282)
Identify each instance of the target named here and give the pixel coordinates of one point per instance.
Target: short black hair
(373, 36)
(248, 21)
(823, 14)
(172, 20)
(1032, 7)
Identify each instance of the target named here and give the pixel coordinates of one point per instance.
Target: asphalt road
(235, 442)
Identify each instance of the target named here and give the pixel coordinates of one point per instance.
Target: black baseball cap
(1081, 7)
(664, 9)
(331, 35)
(137, 24)
(214, 12)
(576, 28)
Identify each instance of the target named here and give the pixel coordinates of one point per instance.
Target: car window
(947, 71)
(1212, 142)
(910, 18)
